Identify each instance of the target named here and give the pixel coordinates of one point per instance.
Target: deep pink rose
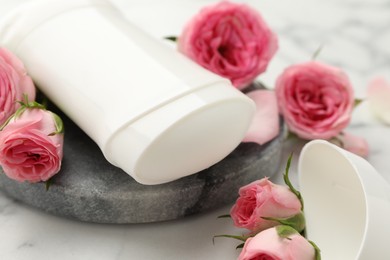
(231, 40)
(268, 245)
(260, 199)
(14, 82)
(29, 151)
(315, 99)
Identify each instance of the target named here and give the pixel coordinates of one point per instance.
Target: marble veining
(355, 35)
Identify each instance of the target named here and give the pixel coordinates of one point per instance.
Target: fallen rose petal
(355, 144)
(378, 97)
(265, 123)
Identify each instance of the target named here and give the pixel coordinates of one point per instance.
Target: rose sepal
(285, 231)
(58, 123)
(225, 216)
(24, 104)
(317, 250)
(297, 222)
(242, 238)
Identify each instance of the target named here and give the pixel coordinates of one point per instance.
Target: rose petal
(378, 96)
(265, 123)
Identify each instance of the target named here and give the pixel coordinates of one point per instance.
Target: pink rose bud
(316, 100)
(231, 40)
(263, 199)
(14, 83)
(31, 145)
(378, 96)
(354, 144)
(270, 245)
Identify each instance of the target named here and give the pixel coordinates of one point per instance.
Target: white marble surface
(355, 35)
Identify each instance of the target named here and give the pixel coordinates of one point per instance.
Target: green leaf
(241, 238)
(47, 184)
(297, 221)
(288, 182)
(285, 231)
(171, 38)
(357, 102)
(317, 250)
(224, 216)
(317, 52)
(240, 246)
(291, 135)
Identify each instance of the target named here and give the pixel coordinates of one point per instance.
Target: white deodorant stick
(153, 112)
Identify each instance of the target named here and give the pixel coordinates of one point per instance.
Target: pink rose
(231, 40)
(315, 99)
(378, 96)
(14, 82)
(268, 245)
(31, 146)
(262, 198)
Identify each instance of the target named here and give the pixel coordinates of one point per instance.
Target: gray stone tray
(88, 188)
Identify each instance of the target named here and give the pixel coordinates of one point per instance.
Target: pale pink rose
(265, 123)
(355, 144)
(231, 40)
(378, 96)
(316, 100)
(262, 198)
(29, 151)
(14, 82)
(268, 245)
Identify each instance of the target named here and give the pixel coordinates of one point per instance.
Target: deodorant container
(153, 112)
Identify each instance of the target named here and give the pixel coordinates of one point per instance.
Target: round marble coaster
(90, 189)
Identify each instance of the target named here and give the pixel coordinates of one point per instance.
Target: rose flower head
(263, 199)
(279, 243)
(31, 144)
(316, 100)
(14, 83)
(231, 40)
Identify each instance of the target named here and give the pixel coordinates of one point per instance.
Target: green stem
(288, 182)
